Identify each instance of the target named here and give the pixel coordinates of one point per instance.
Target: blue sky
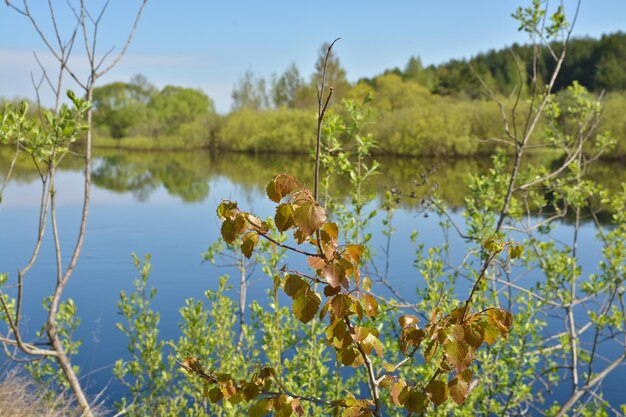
(209, 44)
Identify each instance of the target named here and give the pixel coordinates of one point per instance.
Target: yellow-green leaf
(459, 355)
(250, 391)
(294, 285)
(437, 391)
(341, 305)
(516, 251)
(474, 335)
(415, 401)
(261, 408)
(493, 244)
(249, 240)
(284, 217)
(431, 349)
(215, 394)
(228, 231)
(226, 210)
(306, 304)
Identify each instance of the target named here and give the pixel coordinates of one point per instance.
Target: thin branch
(282, 245)
(370, 370)
(588, 386)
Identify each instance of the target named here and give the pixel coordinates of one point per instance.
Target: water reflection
(187, 174)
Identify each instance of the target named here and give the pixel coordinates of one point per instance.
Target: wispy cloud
(190, 70)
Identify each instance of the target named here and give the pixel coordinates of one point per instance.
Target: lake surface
(164, 203)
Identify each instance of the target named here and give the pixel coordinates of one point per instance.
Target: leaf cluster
(350, 311)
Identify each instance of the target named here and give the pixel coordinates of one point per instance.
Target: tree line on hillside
(417, 110)
(597, 65)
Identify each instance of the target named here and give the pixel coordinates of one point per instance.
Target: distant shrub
(267, 131)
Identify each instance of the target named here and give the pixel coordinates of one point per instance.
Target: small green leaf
(516, 251)
(493, 244)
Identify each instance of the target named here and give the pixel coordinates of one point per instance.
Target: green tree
(610, 63)
(284, 88)
(250, 92)
(415, 71)
(174, 106)
(119, 106)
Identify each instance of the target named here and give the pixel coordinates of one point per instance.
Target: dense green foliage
(435, 110)
(251, 131)
(174, 117)
(596, 64)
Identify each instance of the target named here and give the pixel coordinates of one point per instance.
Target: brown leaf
(329, 290)
(371, 305)
(396, 389)
(407, 321)
(309, 217)
(459, 355)
(334, 273)
(458, 389)
(437, 391)
(280, 186)
(316, 262)
(415, 401)
(341, 305)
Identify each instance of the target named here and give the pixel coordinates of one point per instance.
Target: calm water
(164, 204)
